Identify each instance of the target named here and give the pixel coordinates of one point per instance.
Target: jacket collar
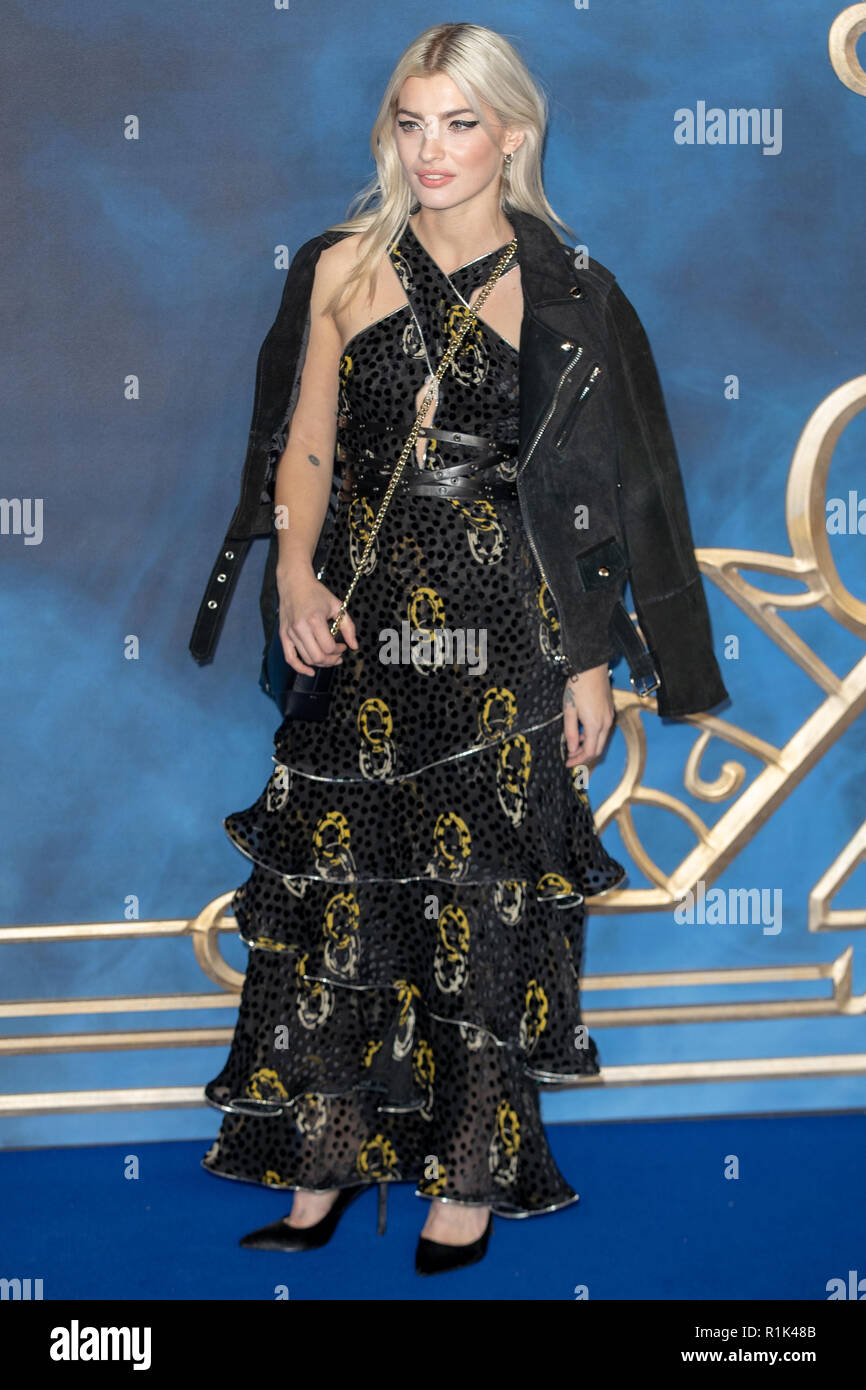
(546, 269)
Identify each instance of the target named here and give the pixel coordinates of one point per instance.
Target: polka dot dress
(415, 910)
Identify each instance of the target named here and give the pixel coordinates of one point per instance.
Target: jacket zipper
(534, 550)
(568, 422)
(538, 433)
(546, 421)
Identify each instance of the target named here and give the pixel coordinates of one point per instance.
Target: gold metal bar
(118, 1004)
(643, 1074)
(103, 931)
(26, 1044)
(719, 844)
(752, 974)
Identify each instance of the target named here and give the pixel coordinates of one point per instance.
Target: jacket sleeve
(275, 390)
(666, 581)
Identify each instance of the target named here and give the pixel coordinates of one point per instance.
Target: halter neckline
(468, 265)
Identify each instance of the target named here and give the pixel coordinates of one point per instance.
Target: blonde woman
(422, 856)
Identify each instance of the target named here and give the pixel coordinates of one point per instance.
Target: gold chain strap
(450, 353)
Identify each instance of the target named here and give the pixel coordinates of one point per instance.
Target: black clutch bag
(297, 696)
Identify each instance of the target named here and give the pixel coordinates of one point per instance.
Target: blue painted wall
(156, 257)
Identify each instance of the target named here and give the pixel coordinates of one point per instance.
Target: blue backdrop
(156, 257)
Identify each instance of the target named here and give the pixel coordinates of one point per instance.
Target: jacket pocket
(602, 565)
(574, 409)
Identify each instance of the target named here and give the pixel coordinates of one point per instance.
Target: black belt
(461, 480)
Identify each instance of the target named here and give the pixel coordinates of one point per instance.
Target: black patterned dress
(415, 910)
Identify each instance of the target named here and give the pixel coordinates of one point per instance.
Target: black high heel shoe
(280, 1236)
(432, 1257)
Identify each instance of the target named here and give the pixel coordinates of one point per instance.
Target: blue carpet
(657, 1219)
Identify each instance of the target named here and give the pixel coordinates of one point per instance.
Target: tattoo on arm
(313, 460)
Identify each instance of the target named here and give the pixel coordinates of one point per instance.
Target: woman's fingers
(346, 631)
(588, 717)
(293, 657)
(313, 639)
(572, 732)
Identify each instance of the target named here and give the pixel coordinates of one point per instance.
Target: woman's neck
(453, 236)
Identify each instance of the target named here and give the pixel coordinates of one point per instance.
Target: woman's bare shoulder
(338, 260)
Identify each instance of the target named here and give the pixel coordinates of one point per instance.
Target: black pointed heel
(280, 1236)
(432, 1257)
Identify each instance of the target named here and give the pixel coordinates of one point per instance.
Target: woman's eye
(408, 125)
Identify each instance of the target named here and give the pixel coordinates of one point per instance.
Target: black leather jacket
(598, 478)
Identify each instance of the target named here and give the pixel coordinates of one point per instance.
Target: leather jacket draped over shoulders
(598, 478)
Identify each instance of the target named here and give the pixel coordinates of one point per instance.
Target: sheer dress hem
(498, 1209)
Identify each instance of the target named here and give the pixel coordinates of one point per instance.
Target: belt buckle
(649, 689)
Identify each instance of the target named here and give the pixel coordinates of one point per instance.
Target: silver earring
(508, 160)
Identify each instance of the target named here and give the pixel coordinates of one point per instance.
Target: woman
(423, 855)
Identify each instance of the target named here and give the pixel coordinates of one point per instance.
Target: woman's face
(446, 152)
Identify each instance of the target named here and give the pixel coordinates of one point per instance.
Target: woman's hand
(588, 698)
(307, 609)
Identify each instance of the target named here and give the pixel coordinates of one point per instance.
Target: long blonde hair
(484, 66)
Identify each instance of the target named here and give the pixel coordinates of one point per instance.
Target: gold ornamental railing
(841, 699)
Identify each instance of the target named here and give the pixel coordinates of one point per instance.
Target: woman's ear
(513, 140)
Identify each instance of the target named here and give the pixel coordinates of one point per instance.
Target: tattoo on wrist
(313, 460)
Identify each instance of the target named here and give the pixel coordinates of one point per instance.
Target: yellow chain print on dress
(342, 919)
(333, 858)
(312, 1114)
(502, 1157)
(472, 360)
(264, 1084)
(497, 713)
(377, 1159)
(314, 1000)
(377, 754)
(484, 535)
(549, 636)
(513, 768)
(452, 847)
(535, 1014)
(405, 1034)
(553, 886)
(360, 520)
(296, 886)
(473, 1038)
(373, 1046)
(277, 790)
(423, 1072)
(509, 900)
(347, 366)
(426, 614)
(451, 957)
(402, 267)
(272, 1178)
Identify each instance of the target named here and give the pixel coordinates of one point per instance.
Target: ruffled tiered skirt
(413, 975)
(415, 910)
